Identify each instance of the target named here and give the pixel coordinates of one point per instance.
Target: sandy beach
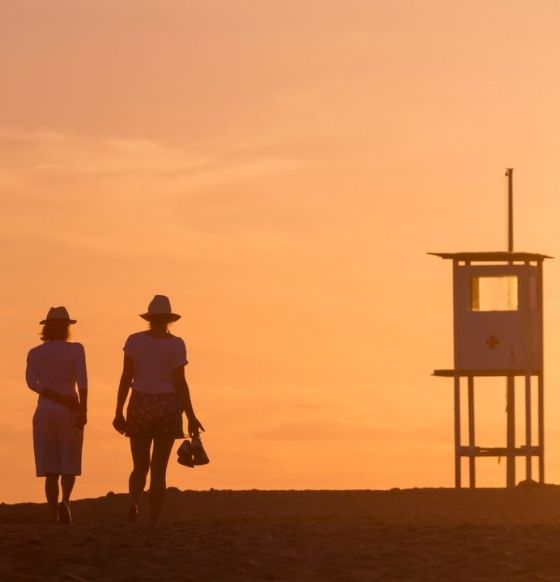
(417, 534)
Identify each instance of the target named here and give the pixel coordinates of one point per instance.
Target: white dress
(57, 440)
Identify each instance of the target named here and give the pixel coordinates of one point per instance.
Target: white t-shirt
(57, 365)
(154, 361)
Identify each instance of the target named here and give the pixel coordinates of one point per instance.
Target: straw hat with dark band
(160, 307)
(57, 315)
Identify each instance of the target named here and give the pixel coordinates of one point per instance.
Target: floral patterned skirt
(154, 415)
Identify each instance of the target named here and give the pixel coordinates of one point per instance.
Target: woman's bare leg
(51, 491)
(67, 482)
(64, 513)
(158, 469)
(140, 449)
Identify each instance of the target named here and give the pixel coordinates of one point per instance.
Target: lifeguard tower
(498, 331)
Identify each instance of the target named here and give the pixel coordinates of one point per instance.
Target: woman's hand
(194, 426)
(65, 400)
(82, 418)
(69, 402)
(119, 422)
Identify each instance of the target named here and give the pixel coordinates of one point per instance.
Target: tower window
(494, 293)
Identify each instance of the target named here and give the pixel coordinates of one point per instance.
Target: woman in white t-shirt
(154, 368)
(53, 370)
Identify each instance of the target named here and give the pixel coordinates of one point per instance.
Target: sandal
(132, 516)
(64, 515)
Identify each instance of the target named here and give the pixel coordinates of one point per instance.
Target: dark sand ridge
(418, 534)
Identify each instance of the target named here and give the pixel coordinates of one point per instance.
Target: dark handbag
(199, 454)
(192, 453)
(184, 454)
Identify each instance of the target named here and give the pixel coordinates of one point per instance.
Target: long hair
(159, 321)
(55, 331)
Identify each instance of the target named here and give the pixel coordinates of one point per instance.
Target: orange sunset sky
(279, 169)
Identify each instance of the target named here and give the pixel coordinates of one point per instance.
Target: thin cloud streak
(116, 186)
(54, 155)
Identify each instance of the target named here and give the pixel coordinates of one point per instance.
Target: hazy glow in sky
(279, 169)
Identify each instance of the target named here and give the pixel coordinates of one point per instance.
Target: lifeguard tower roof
(493, 256)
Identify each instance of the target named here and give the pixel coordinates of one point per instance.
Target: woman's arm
(124, 387)
(35, 384)
(82, 381)
(182, 388)
(31, 376)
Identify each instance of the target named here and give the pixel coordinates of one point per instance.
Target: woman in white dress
(53, 370)
(154, 368)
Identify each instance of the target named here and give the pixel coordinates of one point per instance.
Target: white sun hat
(160, 305)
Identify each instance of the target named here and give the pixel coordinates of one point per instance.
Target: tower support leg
(541, 427)
(510, 407)
(457, 418)
(472, 459)
(528, 432)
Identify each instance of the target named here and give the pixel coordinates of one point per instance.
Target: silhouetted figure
(53, 370)
(154, 367)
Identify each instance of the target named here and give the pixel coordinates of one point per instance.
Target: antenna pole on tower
(509, 174)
